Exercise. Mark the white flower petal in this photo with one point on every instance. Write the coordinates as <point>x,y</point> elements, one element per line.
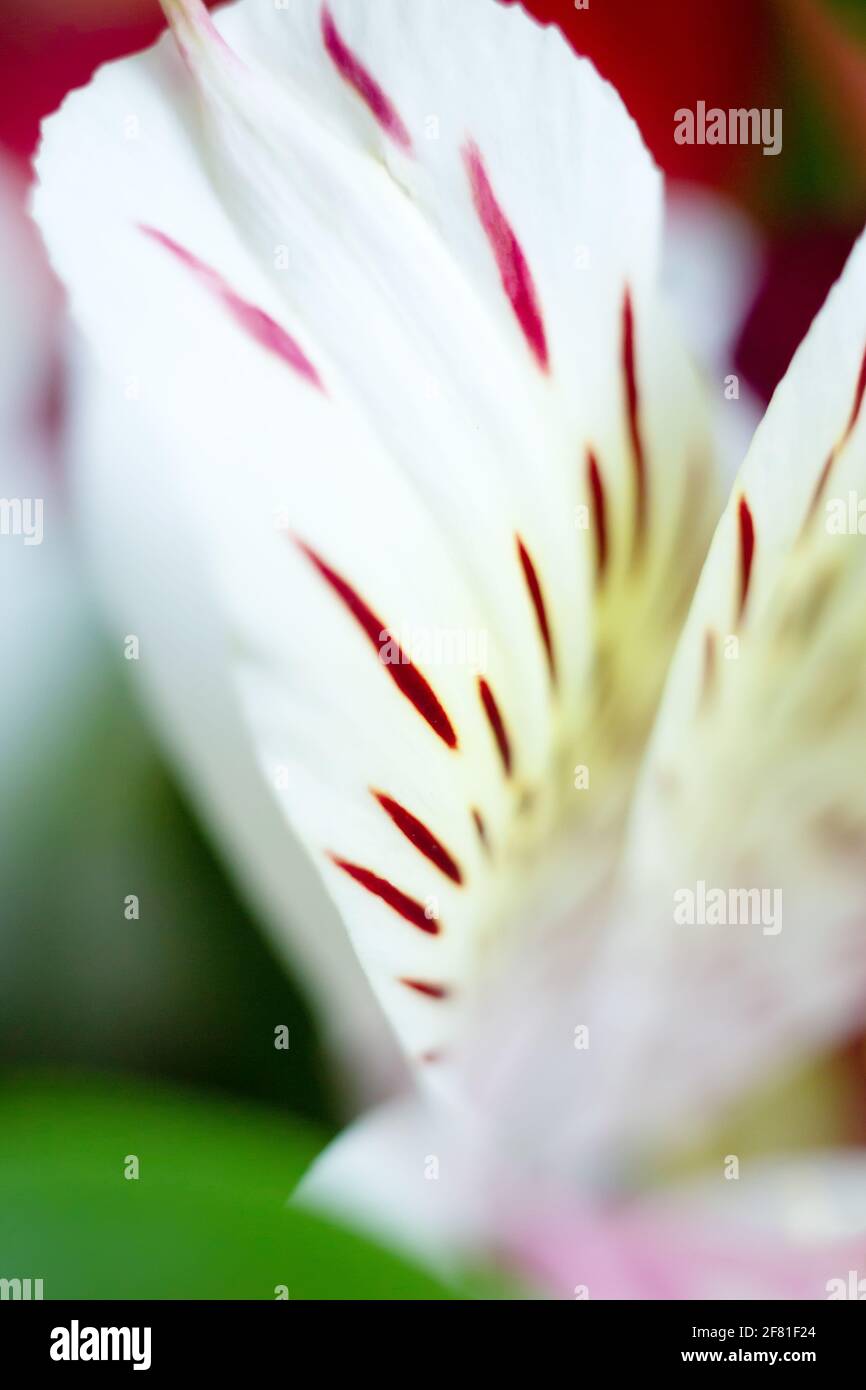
<point>712,268</point>
<point>414,1174</point>
<point>536,186</point>
<point>738,946</point>
<point>448,1191</point>
<point>422,397</point>
<point>44,630</point>
<point>754,777</point>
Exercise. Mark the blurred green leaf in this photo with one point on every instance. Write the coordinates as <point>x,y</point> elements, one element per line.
<point>823,53</point>
<point>206,1218</point>
<point>191,992</point>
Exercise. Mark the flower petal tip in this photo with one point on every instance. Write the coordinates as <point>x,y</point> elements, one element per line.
<point>195,33</point>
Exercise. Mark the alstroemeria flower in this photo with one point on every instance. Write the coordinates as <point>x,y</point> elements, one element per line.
<point>403,483</point>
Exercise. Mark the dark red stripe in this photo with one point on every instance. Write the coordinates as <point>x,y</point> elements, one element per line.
<point>632,396</point>
<point>497,723</point>
<point>424,987</point>
<point>534,586</point>
<point>407,907</point>
<point>513,268</point>
<point>403,673</point>
<point>254,321</point>
<point>352,70</point>
<point>422,838</point>
<point>859,394</point>
<point>747,551</point>
<point>599,513</point>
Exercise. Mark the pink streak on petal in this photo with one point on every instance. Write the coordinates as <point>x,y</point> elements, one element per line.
<point>254,321</point>
<point>513,267</point>
<point>352,70</point>
<point>634,1252</point>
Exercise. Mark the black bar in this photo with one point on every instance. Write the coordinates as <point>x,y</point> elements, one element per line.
<point>247,1337</point>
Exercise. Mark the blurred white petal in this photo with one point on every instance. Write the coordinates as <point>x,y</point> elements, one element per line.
<point>43,625</point>
<point>713,259</point>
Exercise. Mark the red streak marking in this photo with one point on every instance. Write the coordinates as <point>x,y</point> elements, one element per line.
<point>629,367</point>
<point>405,676</point>
<point>858,398</point>
<point>747,550</point>
<point>859,394</point>
<point>431,991</point>
<point>259,325</point>
<point>497,724</point>
<point>514,271</point>
<point>481,828</point>
<point>534,586</point>
<point>407,907</point>
<point>422,838</point>
<point>599,513</point>
<point>353,71</point>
